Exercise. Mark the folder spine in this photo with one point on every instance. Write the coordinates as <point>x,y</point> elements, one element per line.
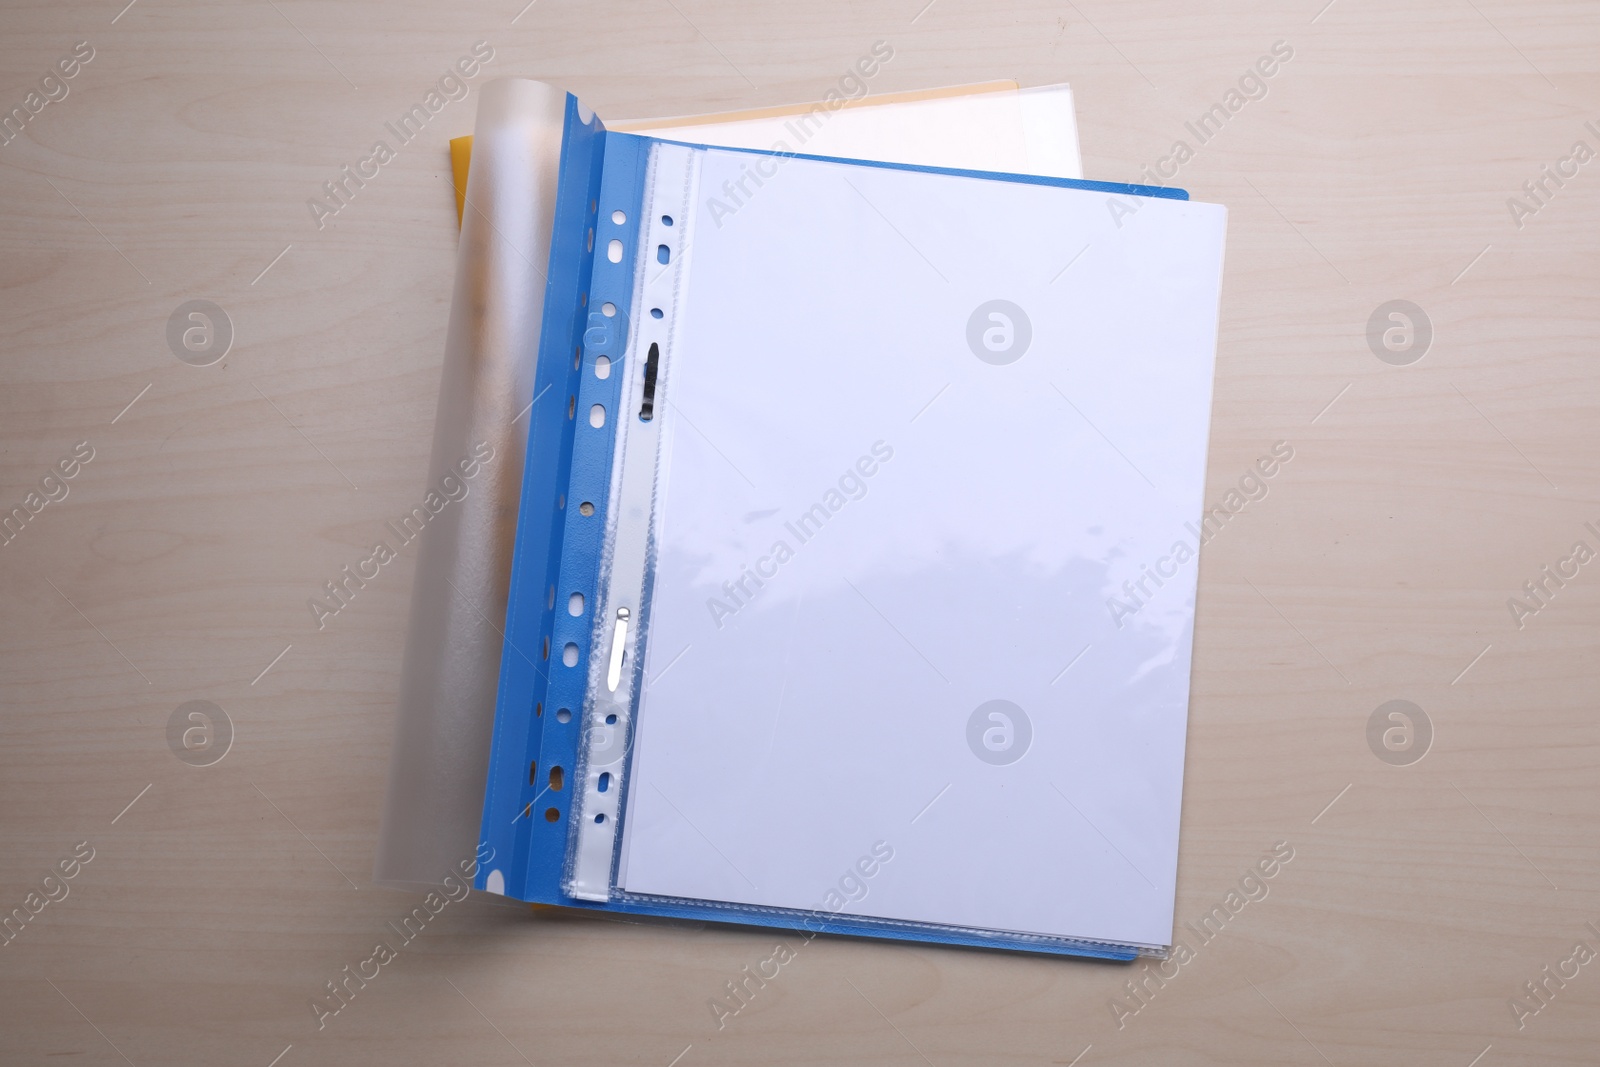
<point>548,648</point>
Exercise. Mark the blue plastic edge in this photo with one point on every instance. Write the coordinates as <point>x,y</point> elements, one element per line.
<point>557,549</point>
<point>523,735</point>
<point>1165,192</point>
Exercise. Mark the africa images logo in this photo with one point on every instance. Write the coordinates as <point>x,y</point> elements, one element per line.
<point>999,332</point>
<point>999,732</point>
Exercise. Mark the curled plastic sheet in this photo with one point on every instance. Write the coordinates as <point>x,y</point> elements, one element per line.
<point>452,657</point>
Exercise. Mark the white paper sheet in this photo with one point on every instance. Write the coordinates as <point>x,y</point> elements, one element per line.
<point>932,526</point>
<point>1027,131</point>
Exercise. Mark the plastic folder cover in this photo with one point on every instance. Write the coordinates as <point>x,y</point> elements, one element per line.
<point>854,586</point>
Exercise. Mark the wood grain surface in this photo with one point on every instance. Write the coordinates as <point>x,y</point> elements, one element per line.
<point>1378,162</point>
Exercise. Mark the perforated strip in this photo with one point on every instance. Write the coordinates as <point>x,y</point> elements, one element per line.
<point>622,617</point>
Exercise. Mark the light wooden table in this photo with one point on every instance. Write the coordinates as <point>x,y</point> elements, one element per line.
<point>1420,497</point>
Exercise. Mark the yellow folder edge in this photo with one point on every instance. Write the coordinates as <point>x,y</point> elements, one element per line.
<point>461,147</point>
<point>801,109</point>
<point>460,160</point>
